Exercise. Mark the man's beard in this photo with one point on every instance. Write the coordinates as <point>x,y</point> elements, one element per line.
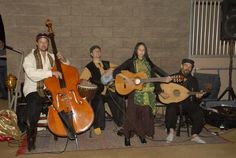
<point>43,49</point>
<point>186,72</point>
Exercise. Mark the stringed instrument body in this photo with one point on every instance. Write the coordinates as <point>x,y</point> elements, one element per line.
<point>126,81</point>
<point>125,84</point>
<point>176,92</point>
<point>66,98</point>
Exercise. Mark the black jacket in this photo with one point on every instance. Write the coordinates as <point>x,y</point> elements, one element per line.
<point>191,84</point>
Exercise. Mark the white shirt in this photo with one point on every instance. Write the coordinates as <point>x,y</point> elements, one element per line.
<point>32,74</point>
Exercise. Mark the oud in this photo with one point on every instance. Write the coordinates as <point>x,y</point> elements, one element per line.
<point>176,92</point>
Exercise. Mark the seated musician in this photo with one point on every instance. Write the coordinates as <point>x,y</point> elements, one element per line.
<point>37,66</point>
<point>190,105</point>
<point>93,73</point>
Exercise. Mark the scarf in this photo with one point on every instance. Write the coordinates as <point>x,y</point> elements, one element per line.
<point>39,65</point>
<point>146,96</point>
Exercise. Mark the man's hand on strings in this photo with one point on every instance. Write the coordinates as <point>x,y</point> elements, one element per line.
<point>168,79</point>
<point>57,74</point>
<point>200,94</point>
<point>61,57</point>
<point>108,72</point>
<point>164,95</point>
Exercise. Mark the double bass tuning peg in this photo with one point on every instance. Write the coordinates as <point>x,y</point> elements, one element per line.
<point>49,26</point>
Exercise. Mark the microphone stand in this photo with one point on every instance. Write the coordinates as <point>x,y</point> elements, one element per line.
<point>229,89</point>
<point>14,50</point>
<point>12,101</point>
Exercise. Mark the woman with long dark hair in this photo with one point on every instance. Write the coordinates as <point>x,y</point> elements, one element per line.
<point>139,117</point>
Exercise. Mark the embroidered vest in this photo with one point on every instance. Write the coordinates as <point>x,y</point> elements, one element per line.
<point>96,75</point>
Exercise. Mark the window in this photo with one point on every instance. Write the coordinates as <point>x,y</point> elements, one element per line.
<point>205,25</point>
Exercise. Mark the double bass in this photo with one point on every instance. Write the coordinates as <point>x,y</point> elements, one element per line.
<point>69,113</point>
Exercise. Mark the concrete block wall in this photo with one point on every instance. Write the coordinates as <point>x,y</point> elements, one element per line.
<point>115,25</point>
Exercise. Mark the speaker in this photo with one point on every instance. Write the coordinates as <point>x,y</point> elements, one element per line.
<point>2,37</point>
<point>228,20</point>
<point>2,32</point>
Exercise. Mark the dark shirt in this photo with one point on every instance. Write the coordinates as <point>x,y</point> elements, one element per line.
<point>96,74</point>
<point>191,84</point>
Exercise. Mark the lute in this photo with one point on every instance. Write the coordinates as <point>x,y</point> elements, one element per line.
<point>176,92</point>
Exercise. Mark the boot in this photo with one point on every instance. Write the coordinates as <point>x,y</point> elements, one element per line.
<point>127,141</point>
<point>31,144</point>
<point>31,139</point>
<point>120,132</point>
<point>142,140</point>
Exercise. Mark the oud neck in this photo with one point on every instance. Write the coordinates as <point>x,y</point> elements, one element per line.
<point>192,93</point>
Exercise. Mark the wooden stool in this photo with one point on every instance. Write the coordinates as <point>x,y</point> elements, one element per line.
<point>186,119</point>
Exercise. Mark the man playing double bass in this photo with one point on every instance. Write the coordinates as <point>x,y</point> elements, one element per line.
<point>37,66</point>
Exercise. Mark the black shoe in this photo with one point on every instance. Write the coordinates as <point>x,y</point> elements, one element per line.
<point>31,144</point>
<point>108,117</point>
<point>142,140</point>
<point>127,141</point>
<point>120,132</point>
<point>31,136</point>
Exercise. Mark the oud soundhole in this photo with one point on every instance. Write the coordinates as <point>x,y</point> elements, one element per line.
<point>176,92</point>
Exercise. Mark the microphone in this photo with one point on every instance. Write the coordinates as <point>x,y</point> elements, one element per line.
<point>3,47</point>
<point>8,47</point>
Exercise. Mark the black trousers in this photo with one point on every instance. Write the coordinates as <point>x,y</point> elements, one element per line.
<point>192,110</point>
<point>116,104</point>
<point>35,105</point>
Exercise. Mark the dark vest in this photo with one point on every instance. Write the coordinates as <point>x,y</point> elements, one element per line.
<point>96,75</point>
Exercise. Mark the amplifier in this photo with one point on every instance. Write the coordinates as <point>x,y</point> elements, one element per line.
<point>220,113</point>
<point>221,103</point>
